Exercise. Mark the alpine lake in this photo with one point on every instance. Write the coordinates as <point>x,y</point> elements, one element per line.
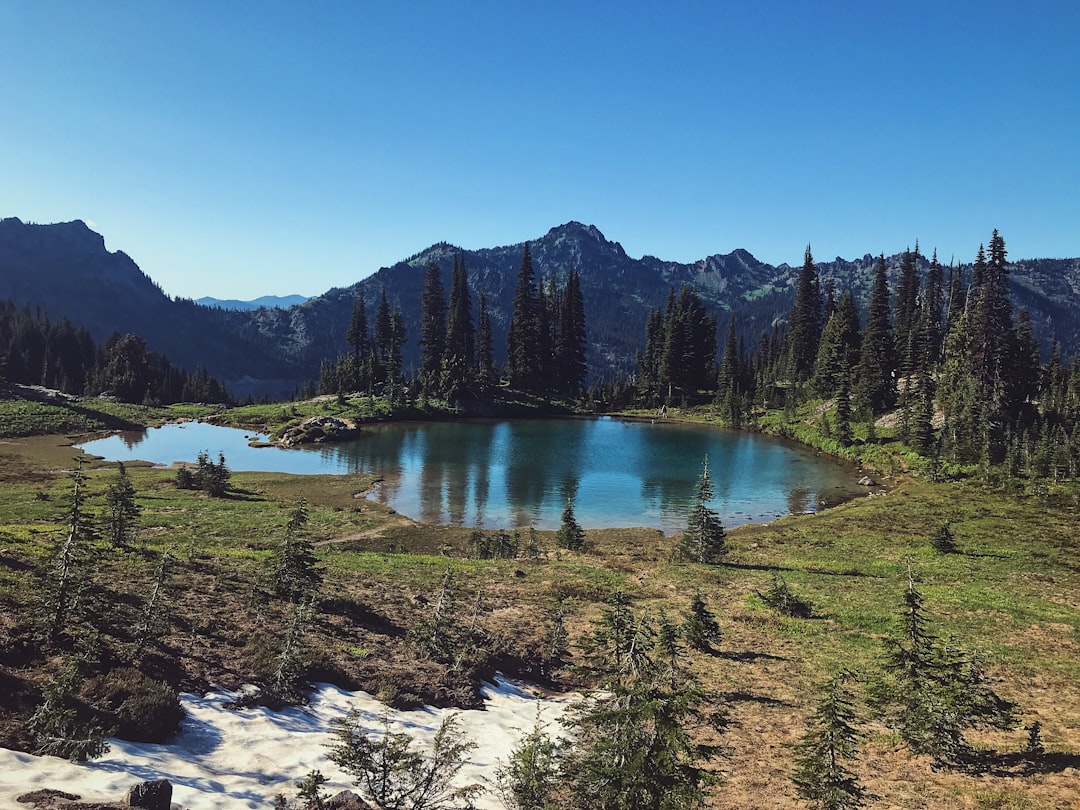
<point>520,473</point>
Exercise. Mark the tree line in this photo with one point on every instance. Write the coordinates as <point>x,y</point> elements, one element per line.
<point>944,348</point>
<point>545,344</point>
<point>35,350</point>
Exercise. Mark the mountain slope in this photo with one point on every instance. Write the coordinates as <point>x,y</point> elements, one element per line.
<point>66,270</point>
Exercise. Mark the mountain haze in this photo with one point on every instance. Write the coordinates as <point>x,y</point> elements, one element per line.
<point>267,301</point>
<point>66,271</point>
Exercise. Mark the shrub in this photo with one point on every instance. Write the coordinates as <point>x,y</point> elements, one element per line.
<point>142,709</point>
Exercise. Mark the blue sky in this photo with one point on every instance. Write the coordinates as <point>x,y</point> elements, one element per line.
<point>236,149</point>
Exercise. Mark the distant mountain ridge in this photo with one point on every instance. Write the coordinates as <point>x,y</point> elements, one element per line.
<point>262,302</point>
<point>66,270</point>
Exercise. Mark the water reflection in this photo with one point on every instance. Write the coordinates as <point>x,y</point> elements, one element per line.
<point>519,473</point>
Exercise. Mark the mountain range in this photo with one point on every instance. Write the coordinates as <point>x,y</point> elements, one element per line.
<point>263,301</point>
<point>65,270</point>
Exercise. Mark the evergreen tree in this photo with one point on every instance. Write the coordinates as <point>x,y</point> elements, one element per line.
<point>630,747</point>
<point>570,535</point>
<point>571,340</point>
<point>730,378</point>
<point>523,335</point>
<point>805,320</point>
<point>295,575</point>
<point>121,510</point>
<point>944,541</point>
<point>432,331</point>
<point>357,336</point>
<point>485,355</point>
<point>821,776</point>
<point>460,333</point>
<point>689,346</point>
<point>531,777</point>
<point>389,772</point>
<point>843,413</point>
<point>875,387</point>
<point>933,692</point>
<point>838,349</point>
<point>67,579</point>
<point>381,338</point>
<point>906,309</point>
<point>700,628</point>
<point>704,540</point>
<point>286,682</point>
<point>153,609</point>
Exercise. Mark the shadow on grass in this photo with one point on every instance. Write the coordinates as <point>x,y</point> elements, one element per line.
<point>747,656</point>
<point>1021,763</point>
<point>748,697</point>
<point>753,567</point>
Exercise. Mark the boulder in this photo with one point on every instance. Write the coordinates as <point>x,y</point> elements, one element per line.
<point>867,481</point>
<point>155,795</point>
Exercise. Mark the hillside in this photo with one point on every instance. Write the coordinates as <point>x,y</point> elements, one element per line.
<point>66,270</point>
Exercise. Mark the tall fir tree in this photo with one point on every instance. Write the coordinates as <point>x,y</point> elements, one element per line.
<point>875,387</point>
<point>357,335</point>
<point>460,334</point>
<point>523,335</point>
<point>572,338</point>
<point>485,349</point>
<point>838,349</point>
<point>805,320</point>
<point>432,330</point>
<point>905,319</point>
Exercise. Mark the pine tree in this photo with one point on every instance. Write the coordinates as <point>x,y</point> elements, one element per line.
<point>933,692</point>
<point>460,333</point>
<point>485,355</point>
<point>906,309</point>
<point>121,510</point>
<point>630,746</point>
<point>390,773</point>
<point>286,682</point>
<point>805,320</point>
<point>700,628</point>
<point>529,779</point>
<point>381,338</point>
<point>838,349</point>
<point>821,776</point>
<point>295,575</point>
<point>357,336</point>
<point>432,331</point>
<point>523,335</point>
<point>570,535</point>
<point>875,387</point>
<point>151,617</point>
<point>729,379</point>
<point>67,579</point>
<point>704,540</point>
<point>571,340</point>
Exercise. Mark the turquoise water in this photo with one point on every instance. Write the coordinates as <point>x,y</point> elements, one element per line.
<point>517,473</point>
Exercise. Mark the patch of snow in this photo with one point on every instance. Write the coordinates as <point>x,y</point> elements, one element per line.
<point>223,758</point>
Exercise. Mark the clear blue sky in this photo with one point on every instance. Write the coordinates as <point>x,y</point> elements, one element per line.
<point>236,149</point>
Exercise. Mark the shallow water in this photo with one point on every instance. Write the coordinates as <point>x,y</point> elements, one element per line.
<point>517,473</point>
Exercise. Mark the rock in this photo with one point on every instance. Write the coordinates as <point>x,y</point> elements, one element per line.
<point>155,795</point>
<point>867,481</point>
<point>47,798</point>
<point>346,800</point>
<point>320,429</point>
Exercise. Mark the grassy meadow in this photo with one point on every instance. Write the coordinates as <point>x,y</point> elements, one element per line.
<point>1011,593</point>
